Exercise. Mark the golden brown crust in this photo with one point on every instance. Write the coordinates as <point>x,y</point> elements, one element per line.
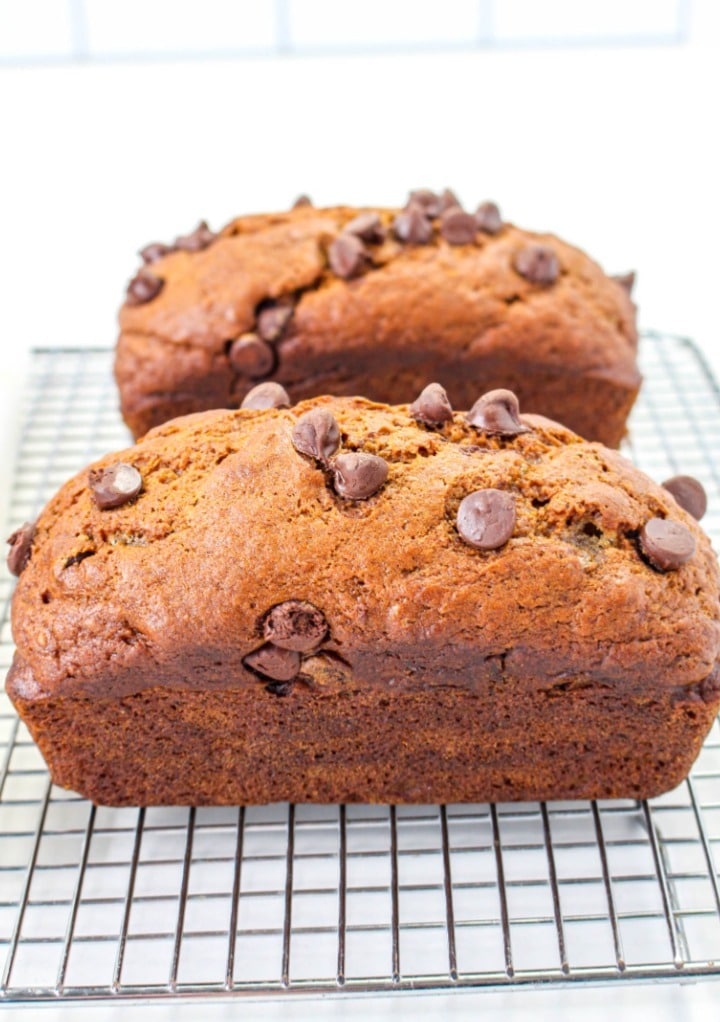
<point>461,314</point>
<point>163,599</point>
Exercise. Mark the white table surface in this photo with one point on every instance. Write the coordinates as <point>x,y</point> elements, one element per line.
<point>613,149</point>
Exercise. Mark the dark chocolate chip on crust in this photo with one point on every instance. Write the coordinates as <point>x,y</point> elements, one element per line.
<point>497,413</point>
<point>274,663</point>
<point>347,256</point>
<point>266,395</point>
<point>359,475</point>
<point>20,547</point>
<point>667,545</point>
<point>197,240</point>
<point>537,263</point>
<point>114,486</point>
<point>367,226</point>
<point>458,227</point>
<point>251,356</point>
<point>449,200</point>
<point>488,218</point>
<point>430,202</point>
<point>301,202</point>
<point>689,493</point>
<point>412,225</point>
<point>486,519</point>
<point>272,321</point>
<point>295,624</point>
<point>154,251</point>
<point>626,280</point>
<point>432,406</point>
<point>317,434</point>
<point>143,288</point>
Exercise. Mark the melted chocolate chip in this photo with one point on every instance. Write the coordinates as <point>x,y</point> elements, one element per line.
<point>347,256</point>
<point>154,251</point>
<point>666,544</point>
<point>537,263</point>
<point>626,280</point>
<point>197,240</point>
<point>367,226</point>
<point>251,356</point>
<point>458,227</point>
<point>143,288</point>
<point>486,519</point>
<point>432,406</point>
<point>295,624</point>
<point>266,395</point>
<point>498,414</point>
<point>317,434</point>
<point>430,202</point>
<point>272,321</point>
<point>689,493</point>
<point>412,226</point>
<point>20,547</point>
<point>301,202</point>
<point>114,486</point>
<point>270,661</point>
<point>358,475</point>
<point>488,218</point>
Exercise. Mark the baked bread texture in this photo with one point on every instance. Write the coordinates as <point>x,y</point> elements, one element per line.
<point>345,601</point>
<point>377,302</point>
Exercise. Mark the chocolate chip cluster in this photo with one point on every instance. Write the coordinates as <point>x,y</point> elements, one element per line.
<point>354,474</point>
<point>253,354</point>
<point>146,285</point>
<point>292,630</point>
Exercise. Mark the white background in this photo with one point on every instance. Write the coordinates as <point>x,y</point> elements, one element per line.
<point>113,133</point>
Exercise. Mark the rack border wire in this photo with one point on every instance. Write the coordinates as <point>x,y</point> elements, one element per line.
<point>287,900</point>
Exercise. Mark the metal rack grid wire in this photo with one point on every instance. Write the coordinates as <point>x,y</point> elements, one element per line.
<point>282,899</point>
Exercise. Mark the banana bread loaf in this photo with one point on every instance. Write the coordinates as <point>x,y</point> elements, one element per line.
<point>346,601</point>
<point>376,302</point>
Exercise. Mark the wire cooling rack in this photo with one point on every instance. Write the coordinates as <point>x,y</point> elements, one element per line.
<point>279,899</point>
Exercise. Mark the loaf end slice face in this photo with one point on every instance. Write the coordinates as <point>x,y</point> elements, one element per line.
<point>344,601</point>
<point>378,302</point>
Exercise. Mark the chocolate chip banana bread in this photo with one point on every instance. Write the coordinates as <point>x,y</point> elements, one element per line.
<point>376,302</point>
<point>345,601</point>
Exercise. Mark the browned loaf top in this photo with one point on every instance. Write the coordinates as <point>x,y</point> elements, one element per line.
<point>376,302</point>
<point>484,616</point>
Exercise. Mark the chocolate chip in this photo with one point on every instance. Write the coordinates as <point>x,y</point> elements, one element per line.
<point>358,475</point>
<point>347,256</point>
<point>295,624</point>
<point>273,320</point>
<point>666,544</point>
<point>266,395</point>
<point>20,543</point>
<point>114,486</point>
<point>272,662</point>
<point>154,251</point>
<point>197,240</point>
<point>626,280</point>
<point>412,226</point>
<point>458,227</point>
<point>251,356</point>
<point>498,414</point>
<point>430,202</point>
<point>367,226</point>
<point>537,263</point>
<point>486,518</point>
<point>487,218</point>
<point>143,288</point>
<point>432,406</point>
<point>689,493</point>
<point>448,200</point>
<point>317,434</point>
<point>301,202</point>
